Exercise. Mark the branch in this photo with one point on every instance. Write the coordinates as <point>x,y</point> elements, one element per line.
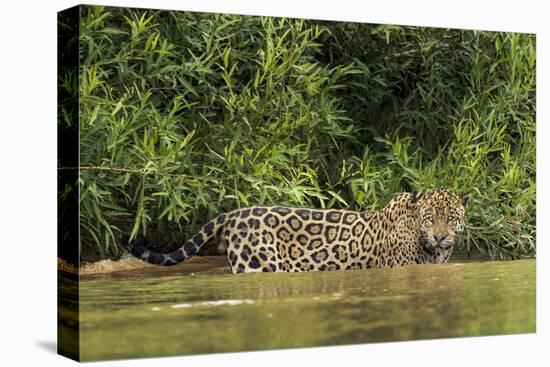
<point>99,168</point>
<point>141,172</point>
<point>488,227</point>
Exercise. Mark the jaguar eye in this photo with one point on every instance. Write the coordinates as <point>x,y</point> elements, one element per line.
<point>452,220</point>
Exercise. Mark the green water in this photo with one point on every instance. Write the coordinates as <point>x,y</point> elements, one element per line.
<point>157,313</point>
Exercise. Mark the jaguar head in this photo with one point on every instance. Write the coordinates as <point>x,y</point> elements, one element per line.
<point>440,214</point>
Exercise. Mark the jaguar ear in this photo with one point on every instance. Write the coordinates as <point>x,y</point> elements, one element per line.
<point>415,196</point>
<point>466,198</point>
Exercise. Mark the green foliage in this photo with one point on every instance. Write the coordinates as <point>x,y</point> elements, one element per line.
<point>187,115</point>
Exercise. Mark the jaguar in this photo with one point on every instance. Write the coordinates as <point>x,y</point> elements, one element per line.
<point>413,228</point>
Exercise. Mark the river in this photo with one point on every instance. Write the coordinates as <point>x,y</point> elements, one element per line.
<point>201,308</point>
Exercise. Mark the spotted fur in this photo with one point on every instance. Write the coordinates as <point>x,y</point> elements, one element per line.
<point>413,228</point>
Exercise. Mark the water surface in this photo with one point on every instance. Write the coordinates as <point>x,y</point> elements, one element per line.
<point>158,312</point>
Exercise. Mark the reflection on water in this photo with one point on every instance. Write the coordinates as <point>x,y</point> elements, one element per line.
<point>149,313</point>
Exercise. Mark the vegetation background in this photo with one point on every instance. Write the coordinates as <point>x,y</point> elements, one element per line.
<point>186,115</point>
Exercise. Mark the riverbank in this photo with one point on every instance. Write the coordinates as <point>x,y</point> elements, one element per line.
<point>129,264</point>
<point>208,264</point>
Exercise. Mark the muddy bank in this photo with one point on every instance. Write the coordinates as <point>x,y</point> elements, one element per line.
<point>128,263</point>
<point>197,264</point>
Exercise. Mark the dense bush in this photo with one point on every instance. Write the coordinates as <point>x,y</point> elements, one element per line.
<point>186,115</point>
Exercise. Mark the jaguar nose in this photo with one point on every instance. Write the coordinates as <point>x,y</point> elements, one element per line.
<point>439,237</point>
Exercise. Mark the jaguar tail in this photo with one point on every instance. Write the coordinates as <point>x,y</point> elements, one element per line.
<point>210,231</point>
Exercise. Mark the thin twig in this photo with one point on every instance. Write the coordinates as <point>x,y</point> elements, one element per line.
<point>141,172</point>
<point>100,168</point>
<point>489,226</point>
